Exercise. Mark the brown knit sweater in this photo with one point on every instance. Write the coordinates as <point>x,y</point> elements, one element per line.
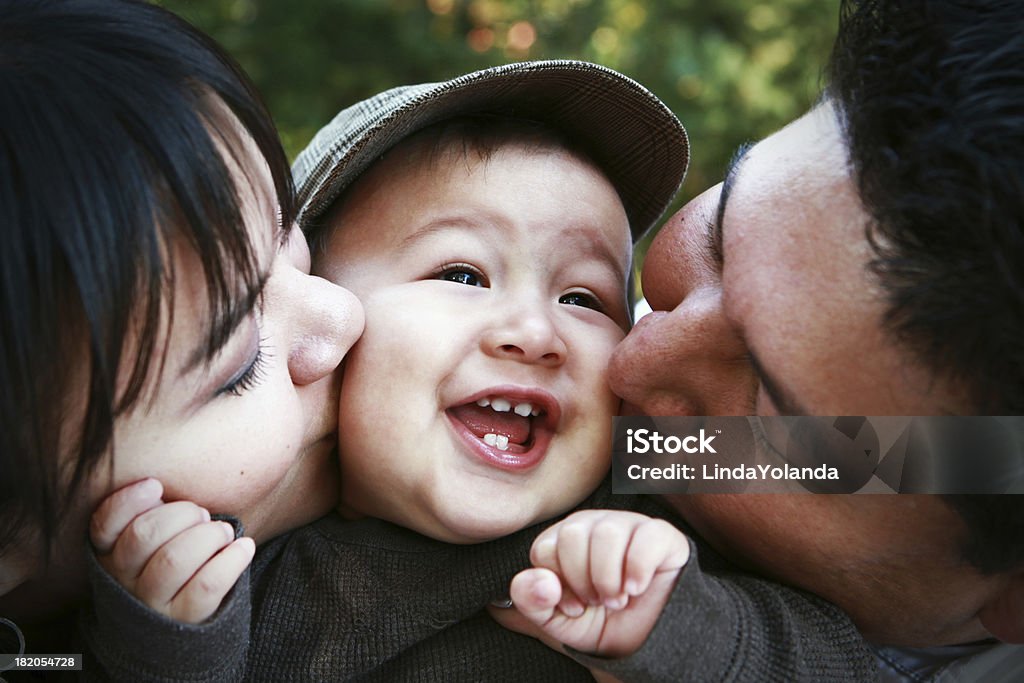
<point>367,600</point>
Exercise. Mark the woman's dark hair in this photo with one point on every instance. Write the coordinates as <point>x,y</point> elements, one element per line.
<point>113,122</point>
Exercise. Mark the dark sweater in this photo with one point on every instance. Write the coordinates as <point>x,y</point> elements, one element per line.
<point>368,600</point>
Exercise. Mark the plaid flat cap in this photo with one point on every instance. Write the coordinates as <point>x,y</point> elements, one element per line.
<point>628,132</point>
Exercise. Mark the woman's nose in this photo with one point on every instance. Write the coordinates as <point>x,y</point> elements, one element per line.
<point>525,333</point>
<point>327,321</point>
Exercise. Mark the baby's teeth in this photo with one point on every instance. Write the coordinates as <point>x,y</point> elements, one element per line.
<point>535,412</point>
<point>483,403</point>
<point>499,441</point>
<point>524,409</point>
<point>501,405</point>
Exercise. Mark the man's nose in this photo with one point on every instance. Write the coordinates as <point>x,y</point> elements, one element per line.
<point>681,258</point>
<point>686,361</point>
<point>685,358</point>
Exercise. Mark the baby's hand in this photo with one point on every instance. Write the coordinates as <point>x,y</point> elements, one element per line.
<point>168,555</point>
<point>600,579</point>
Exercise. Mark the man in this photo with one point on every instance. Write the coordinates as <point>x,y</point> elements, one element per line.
<point>868,259</point>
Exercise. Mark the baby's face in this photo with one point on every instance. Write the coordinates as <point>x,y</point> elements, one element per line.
<point>477,403</point>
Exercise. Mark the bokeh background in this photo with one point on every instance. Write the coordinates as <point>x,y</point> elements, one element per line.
<point>732,70</point>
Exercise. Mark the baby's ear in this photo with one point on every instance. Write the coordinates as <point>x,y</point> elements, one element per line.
<point>1003,615</point>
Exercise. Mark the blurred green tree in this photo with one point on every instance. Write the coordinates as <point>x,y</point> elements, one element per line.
<point>733,70</point>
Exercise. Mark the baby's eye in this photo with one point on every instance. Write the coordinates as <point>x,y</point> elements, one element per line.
<point>463,277</point>
<point>463,274</point>
<point>581,299</point>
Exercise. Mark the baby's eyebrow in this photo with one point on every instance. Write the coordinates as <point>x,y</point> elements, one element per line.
<point>432,228</point>
<point>589,242</point>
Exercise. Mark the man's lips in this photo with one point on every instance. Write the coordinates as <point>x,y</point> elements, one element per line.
<point>508,427</point>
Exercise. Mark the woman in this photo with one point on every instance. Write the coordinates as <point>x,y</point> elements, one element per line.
<point>157,315</point>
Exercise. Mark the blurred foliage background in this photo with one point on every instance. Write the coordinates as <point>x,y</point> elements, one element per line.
<point>732,70</point>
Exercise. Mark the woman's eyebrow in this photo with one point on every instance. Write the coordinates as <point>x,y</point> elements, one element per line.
<point>715,227</point>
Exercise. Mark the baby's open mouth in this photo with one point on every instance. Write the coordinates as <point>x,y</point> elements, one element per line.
<point>507,427</point>
<point>502,423</point>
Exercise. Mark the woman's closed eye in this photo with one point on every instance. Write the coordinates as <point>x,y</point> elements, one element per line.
<point>250,375</point>
<point>461,273</point>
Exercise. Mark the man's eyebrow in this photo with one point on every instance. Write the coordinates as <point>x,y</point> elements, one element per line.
<point>224,326</point>
<point>715,228</point>
<point>781,398</point>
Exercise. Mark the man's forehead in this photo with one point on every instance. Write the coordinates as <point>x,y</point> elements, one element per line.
<point>795,280</point>
<point>795,186</point>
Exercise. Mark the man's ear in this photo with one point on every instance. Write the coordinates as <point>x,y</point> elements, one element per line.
<point>1003,614</point>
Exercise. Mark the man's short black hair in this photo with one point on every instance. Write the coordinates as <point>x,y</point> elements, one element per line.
<point>930,95</point>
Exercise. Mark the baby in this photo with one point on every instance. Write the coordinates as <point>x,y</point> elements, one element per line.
<point>492,263</point>
<point>486,225</point>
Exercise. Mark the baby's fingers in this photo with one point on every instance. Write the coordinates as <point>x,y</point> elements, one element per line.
<point>203,594</point>
<point>656,546</point>
<point>536,593</point>
<point>147,534</point>
<point>178,561</point>
<point>608,543</point>
<point>574,560</point>
<point>118,510</point>
<point>544,554</point>
<point>538,596</point>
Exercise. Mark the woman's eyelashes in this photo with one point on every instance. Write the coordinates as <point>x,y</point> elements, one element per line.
<point>250,375</point>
